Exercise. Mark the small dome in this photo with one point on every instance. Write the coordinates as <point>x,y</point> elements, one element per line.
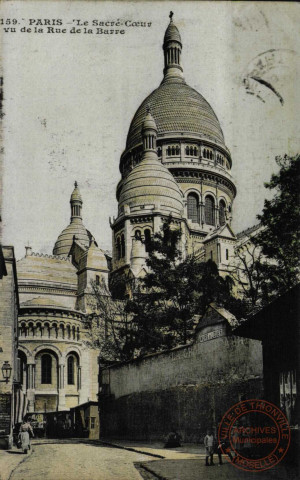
<point>149,122</point>
<point>172,34</point>
<point>65,239</point>
<point>151,183</point>
<point>76,196</point>
<point>76,228</point>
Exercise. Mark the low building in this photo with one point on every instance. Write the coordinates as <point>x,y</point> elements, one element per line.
<point>189,387</point>
<point>85,420</point>
<point>11,398</point>
<point>277,326</point>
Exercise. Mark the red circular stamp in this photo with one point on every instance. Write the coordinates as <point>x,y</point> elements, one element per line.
<point>254,434</point>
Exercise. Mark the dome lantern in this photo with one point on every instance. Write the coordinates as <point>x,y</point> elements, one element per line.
<point>76,203</point>
<point>172,51</point>
<point>149,132</point>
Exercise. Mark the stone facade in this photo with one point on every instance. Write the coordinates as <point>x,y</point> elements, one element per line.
<point>189,387</point>
<point>8,343</point>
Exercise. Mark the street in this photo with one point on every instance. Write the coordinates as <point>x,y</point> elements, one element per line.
<point>78,461</point>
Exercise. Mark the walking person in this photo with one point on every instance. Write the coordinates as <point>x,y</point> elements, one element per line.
<point>209,448</point>
<point>24,435</point>
<point>224,447</point>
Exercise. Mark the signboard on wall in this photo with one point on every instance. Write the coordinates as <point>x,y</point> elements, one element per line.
<point>5,414</point>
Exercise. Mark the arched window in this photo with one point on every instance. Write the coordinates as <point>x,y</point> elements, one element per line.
<point>173,150</point>
<point>46,368</point>
<point>204,153</point>
<point>71,370</point>
<point>55,331</point>
<point>211,155</point>
<point>222,207</point>
<point>118,248</point>
<point>62,330</point>
<point>159,152</point>
<point>122,246</point>
<point>193,207</point>
<point>195,151</point>
<point>187,150</point>
<point>169,151</point>
<point>209,210</point>
<point>147,234</point>
<point>137,234</point>
<point>177,150</point>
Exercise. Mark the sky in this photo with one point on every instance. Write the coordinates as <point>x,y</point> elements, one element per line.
<point>69,99</point>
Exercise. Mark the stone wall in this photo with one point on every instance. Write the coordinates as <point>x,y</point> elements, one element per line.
<point>190,387</point>
<point>191,409</point>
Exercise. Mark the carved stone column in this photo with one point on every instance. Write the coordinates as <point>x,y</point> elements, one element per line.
<point>31,385</point>
<point>61,386</point>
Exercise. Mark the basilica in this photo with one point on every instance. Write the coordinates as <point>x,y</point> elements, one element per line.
<point>175,163</point>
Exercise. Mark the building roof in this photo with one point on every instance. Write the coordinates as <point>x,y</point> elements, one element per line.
<point>75,229</point>
<point>151,183</point>
<point>38,269</point>
<point>177,109</point>
<point>276,322</point>
<point>76,195</point>
<point>64,241</point>
<point>172,34</point>
<point>249,231</point>
<point>224,231</point>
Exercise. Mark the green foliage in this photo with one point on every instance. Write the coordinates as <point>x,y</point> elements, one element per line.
<point>267,263</point>
<point>173,292</point>
<point>279,239</point>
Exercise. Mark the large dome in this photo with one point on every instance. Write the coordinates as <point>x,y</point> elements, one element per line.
<point>151,183</point>
<point>177,108</point>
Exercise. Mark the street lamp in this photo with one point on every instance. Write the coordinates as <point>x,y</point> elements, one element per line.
<point>6,371</point>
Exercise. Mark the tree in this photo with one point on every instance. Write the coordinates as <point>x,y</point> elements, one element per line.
<point>109,327</point>
<point>248,274</point>
<point>267,262</point>
<point>279,237</point>
<point>173,291</point>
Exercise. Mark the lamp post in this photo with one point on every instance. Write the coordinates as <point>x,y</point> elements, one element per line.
<point>6,371</point>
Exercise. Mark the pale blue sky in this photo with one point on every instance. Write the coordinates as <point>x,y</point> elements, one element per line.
<point>69,101</point>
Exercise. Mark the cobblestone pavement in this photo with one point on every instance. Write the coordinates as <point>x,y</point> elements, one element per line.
<point>78,461</point>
